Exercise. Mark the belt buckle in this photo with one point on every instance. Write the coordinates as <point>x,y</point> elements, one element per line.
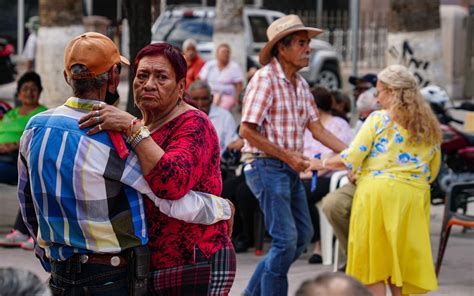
<point>115,261</point>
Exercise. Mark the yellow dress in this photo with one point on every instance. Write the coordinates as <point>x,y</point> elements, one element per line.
<point>390,218</point>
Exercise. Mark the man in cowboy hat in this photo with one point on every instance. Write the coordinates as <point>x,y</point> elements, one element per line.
<point>277,108</point>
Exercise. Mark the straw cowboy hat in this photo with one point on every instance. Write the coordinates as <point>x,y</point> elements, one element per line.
<point>279,29</point>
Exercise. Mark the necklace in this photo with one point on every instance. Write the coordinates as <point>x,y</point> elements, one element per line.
<point>160,121</point>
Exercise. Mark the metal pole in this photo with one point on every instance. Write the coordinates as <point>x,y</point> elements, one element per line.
<point>355,47</point>
<point>119,10</point>
<point>21,26</point>
<point>319,13</point>
<point>355,34</point>
<point>89,7</point>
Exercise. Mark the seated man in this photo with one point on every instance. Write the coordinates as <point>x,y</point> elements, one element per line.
<point>221,118</point>
<point>337,204</point>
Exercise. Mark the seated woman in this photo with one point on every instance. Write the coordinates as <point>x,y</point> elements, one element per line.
<point>11,128</point>
<point>342,130</point>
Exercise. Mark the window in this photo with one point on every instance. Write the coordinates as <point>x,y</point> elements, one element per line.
<point>176,30</point>
<point>259,25</point>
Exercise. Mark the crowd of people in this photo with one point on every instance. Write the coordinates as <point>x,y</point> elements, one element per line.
<point>160,213</point>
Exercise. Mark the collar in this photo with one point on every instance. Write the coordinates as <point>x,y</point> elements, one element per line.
<point>278,69</point>
<point>82,104</point>
<point>115,137</point>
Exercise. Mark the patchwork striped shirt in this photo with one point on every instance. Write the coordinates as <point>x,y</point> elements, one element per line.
<point>78,196</point>
<point>281,111</point>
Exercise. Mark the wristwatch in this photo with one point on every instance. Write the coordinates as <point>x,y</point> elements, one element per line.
<point>143,134</point>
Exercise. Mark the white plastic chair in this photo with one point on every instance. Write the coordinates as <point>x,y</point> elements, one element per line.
<point>338,179</point>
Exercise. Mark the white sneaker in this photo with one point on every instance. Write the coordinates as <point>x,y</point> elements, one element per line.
<point>13,239</point>
<point>29,245</point>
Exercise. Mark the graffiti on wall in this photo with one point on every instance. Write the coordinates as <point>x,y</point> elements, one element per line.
<point>408,58</point>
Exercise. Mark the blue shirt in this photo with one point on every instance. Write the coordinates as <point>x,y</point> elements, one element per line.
<point>78,196</point>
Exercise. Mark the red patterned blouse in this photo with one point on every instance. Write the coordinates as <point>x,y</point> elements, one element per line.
<point>191,162</point>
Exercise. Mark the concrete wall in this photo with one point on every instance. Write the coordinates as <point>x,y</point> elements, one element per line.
<point>50,62</point>
<point>454,33</point>
<point>421,52</point>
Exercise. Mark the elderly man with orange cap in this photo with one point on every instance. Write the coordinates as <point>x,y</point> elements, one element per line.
<point>81,199</point>
<point>277,108</point>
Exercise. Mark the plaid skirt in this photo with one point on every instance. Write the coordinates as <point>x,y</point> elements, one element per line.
<point>209,276</point>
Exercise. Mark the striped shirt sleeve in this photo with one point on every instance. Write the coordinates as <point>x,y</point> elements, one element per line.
<point>27,208</point>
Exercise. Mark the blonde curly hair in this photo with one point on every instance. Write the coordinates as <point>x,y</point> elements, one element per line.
<point>408,107</point>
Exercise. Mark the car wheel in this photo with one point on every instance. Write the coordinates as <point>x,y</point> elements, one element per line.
<point>329,77</point>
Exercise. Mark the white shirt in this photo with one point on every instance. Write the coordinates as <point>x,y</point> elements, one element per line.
<point>224,124</point>
<point>29,52</point>
<point>222,81</point>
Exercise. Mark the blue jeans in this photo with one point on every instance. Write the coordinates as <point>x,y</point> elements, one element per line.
<point>282,199</point>
<point>76,279</point>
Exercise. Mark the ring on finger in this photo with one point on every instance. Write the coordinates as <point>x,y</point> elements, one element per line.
<point>97,119</point>
<point>97,113</point>
<point>100,128</point>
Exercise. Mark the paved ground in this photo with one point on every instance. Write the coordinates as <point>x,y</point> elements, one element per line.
<point>456,278</point>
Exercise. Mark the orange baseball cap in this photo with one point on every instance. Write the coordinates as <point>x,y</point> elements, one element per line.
<point>93,50</point>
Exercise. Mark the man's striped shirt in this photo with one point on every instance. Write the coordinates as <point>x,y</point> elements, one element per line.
<point>78,196</point>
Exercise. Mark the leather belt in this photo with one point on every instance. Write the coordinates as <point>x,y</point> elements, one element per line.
<point>114,260</point>
<point>103,259</point>
<point>250,157</point>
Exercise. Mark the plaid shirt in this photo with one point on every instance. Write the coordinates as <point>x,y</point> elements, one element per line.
<point>77,195</point>
<point>281,112</point>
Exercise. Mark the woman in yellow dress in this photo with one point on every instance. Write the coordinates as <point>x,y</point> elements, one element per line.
<point>395,155</point>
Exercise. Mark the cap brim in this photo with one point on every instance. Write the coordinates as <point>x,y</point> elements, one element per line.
<point>353,80</point>
<point>124,61</point>
<point>265,53</point>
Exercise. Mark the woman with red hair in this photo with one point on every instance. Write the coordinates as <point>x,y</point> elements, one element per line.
<point>178,151</point>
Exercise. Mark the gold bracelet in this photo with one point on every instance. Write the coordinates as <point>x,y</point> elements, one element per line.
<point>134,135</point>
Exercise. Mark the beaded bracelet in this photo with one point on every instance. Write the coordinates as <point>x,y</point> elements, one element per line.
<point>130,126</point>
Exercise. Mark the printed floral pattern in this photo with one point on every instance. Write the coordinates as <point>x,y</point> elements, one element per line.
<point>381,150</point>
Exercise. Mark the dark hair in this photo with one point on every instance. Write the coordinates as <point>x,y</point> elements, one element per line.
<point>81,87</point>
<point>339,97</point>
<point>170,52</point>
<point>322,97</point>
<point>286,41</point>
<point>321,286</point>
<point>27,77</point>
